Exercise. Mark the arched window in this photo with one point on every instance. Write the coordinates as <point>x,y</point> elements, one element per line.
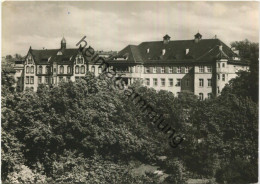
<point>77,69</point>
<point>82,69</point>
<point>27,69</point>
<point>81,60</point>
<point>40,70</point>
<point>93,69</point>
<point>61,69</point>
<point>69,69</point>
<point>32,69</point>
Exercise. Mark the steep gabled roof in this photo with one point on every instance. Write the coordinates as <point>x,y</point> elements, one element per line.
<point>50,55</point>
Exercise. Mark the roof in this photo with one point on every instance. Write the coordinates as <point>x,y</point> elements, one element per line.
<point>50,55</point>
<point>177,51</point>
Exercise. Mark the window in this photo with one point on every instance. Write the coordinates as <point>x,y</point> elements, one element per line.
<point>54,70</point>
<point>32,69</point>
<point>80,60</point>
<point>218,90</point>
<point>186,69</point>
<point>47,70</point>
<point>201,82</point>
<point>61,69</point>
<point>32,80</point>
<point>40,70</point>
<point>27,80</point>
<point>178,69</point>
<point>223,77</point>
<point>99,69</point>
<point>223,65</point>
<point>178,82</point>
<point>77,79</point>
<point>162,69</point>
<point>170,69</point>
<point>82,69</point>
<point>147,82</point>
<point>201,69</point>
<point>155,83</point>
<point>77,69</point>
<point>209,95</point>
<point>60,79</point>
<point>39,80</point>
<point>51,80</point>
<point>162,82</point>
<point>154,70</point>
<point>30,60</point>
<point>209,83</point>
<point>93,69</point>
<point>27,69</point>
<point>218,76</point>
<point>147,70</point>
<point>170,82</point>
<point>46,80</point>
<point>187,82</point>
<point>68,69</point>
<point>201,96</point>
<point>209,68</point>
<point>218,65</point>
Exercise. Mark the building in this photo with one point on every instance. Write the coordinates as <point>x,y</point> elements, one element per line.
<point>51,66</point>
<point>19,75</point>
<point>200,66</point>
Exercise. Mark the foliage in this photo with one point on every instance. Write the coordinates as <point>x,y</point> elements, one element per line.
<point>83,131</point>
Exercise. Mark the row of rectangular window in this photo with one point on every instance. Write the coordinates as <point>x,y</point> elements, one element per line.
<point>29,80</point>
<point>170,69</point>
<point>201,96</point>
<point>201,82</point>
<point>170,82</point>
<point>61,71</point>
<point>178,82</point>
<point>223,65</point>
<point>223,77</point>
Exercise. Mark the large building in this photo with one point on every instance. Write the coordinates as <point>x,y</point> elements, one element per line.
<point>201,66</point>
<point>51,66</point>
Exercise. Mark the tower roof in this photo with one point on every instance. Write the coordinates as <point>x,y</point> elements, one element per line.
<point>63,40</point>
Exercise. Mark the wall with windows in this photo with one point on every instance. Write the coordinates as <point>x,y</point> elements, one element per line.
<point>30,80</point>
<point>203,81</point>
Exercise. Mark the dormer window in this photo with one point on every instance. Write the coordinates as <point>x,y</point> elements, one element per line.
<point>187,51</point>
<point>147,50</point>
<point>59,53</point>
<point>163,51</point>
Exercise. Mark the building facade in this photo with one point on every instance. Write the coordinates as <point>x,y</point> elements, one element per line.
<point>200,66</point>
<point>51,66</point>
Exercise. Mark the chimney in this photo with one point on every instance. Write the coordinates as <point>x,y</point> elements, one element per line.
<point>147,50</point>
<point>166,39</point>
<point>197,37</point>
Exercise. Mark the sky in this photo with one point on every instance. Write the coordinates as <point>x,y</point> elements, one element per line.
<point>114,25</point>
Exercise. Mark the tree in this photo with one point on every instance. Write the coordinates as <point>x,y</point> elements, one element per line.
<point>245,47</point>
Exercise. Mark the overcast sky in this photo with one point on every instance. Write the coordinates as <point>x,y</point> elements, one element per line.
<point>114,25</point>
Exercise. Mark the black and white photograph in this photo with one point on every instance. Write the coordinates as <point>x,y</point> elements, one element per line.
<point>130,92</point>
